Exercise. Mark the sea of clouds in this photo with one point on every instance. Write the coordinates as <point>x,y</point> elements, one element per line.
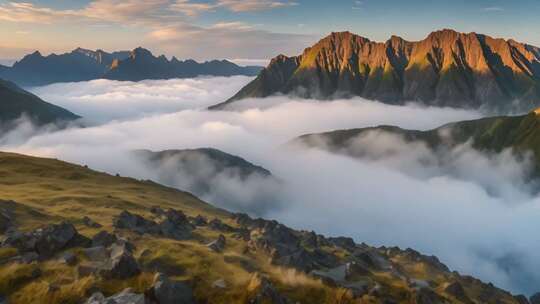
<point>477,214</point>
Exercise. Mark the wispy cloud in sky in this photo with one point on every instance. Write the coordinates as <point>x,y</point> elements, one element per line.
<point>493,9</point>
<point>171,25</point>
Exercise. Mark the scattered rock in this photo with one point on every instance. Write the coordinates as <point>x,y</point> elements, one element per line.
<point>86,270</point>
<point>157,210</point>
<point>343,242</point>
<point>260,290</point>
<point>122,264</point>
<point>7,217</point>
<point>218,225</point>
<point>135,223</point>
<point>199,220</point>
<point>90,223</point>
<point>427,296</point>
<point>221,284</point>
<point>354,270</point>
<point>125,297</point>
<point>176,225</point>
<point>46,241</point>
<point>103,238</point>
<point>456,290</point>
<point>68,258</point>
<point>218,245</point>
<point>29,257</point>
<point>96,254</point>
<point>371,259</point>
<point>166,291</point>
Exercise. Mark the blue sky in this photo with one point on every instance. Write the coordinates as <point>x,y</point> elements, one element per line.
<point>250,29</point>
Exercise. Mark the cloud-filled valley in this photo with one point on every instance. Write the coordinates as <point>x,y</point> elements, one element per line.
<point>477,208</point>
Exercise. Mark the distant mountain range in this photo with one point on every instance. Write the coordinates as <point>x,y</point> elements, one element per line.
<point>139,64</point>
<point>14,102</point>
<point>492,134</point>
<point>445,69</point>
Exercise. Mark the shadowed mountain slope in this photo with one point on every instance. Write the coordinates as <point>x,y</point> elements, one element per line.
<point>14,102</point>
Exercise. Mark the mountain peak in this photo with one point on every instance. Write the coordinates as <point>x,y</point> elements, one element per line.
<point>447,68</point>
<point>141,52</point>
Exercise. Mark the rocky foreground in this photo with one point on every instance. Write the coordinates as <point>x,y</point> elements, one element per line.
<point>143,243</point>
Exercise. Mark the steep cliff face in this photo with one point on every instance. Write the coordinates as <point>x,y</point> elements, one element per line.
<point>445,69</point>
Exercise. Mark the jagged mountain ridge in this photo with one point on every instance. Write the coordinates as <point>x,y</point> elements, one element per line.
<point>14,102</point>
<point>79,65</point>
<point>83,65</point>
<point>142,64</point>
<point>448,68</point>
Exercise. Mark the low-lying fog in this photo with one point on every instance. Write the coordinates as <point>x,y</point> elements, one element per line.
<point>476,216</point>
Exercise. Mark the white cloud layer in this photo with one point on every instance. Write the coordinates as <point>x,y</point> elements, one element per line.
<point>387,198</point>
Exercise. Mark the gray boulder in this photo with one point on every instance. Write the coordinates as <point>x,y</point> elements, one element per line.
<point>199,220</point>
<point>175,225</point>
<point>68,258</point>
<point>90,223</point>
<point>135,223</point>
<point>166,291</point>
<point>46,241</point>
<point>219,244</point>
<point>103,238</point>
<point>125,297</point>
<point>96,254</point>
<point>6,220</point>
<point>122,264</point>
<point>218,225</point>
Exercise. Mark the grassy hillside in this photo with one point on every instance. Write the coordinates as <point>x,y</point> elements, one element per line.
<point>261,261</point>
<point>493,134</point>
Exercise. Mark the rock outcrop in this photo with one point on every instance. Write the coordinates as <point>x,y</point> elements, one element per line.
<point>46,241</point>
<point>173,224</point>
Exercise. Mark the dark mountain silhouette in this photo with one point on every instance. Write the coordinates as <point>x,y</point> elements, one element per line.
<point>79,65</point>
<point>83,65</point>
<point>445,69</point>
<point>141,65</point>
<point>15,102</point>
